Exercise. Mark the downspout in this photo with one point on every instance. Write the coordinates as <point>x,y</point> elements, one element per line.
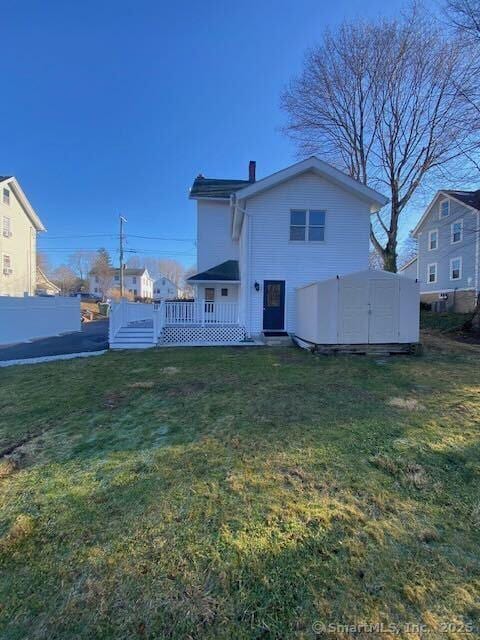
<point>248,311</point>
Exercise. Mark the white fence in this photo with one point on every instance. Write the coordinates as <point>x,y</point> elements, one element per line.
<point>37,317</point>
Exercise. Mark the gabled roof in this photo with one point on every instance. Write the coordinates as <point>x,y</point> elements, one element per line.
<point>408,263</point>
<point>315,165</point>
<point>225,272</point>
<point>470,199</point>
<point>215,188</point>
<point>22,198</point>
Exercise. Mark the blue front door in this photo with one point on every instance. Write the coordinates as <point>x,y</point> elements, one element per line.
<point>273,305</point>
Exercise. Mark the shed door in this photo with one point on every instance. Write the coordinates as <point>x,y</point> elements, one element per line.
<point>383,311</point>
<point>353,312</point>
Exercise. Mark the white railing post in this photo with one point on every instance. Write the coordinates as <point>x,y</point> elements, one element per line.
<point>203,312</point>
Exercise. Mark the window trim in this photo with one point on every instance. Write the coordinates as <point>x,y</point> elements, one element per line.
<point>10,267</point>
<point>452,241</point>
<point>432,264</point>
<point>7,191</point>
<point>460,269</point>
<point>307,225</point>
<point>440,204</point>
<point>430,233</point>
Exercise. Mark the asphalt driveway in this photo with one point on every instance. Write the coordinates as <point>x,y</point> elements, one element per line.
<point>92,337</point>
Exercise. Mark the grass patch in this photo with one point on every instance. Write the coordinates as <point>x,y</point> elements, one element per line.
<point>448,321</point>
<point>238,493</point>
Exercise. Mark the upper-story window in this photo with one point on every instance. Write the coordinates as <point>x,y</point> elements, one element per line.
<point>7,227</point>
<point>134,280</point>
<point>116,278</point>
<point>307,225</point>
<point>433,239</point>
<point>444,208</point>
<point>455,268</point>
<point>6,196</point>
<point>432,272</point>
<point>457,231</point>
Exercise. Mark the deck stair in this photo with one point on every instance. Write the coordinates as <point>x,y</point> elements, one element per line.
<point>136,335</point>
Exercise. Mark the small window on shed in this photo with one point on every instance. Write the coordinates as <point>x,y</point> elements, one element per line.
<point>224,293</point>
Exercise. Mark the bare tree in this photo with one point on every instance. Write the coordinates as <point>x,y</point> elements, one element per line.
<point>102,269</point>
<point>64,277</point>
<point>81,262</point>
<point>43,262</point>
<point>464,16</point>
<point>390,102</point>
<point>408,250</point>
<point>375,261</point>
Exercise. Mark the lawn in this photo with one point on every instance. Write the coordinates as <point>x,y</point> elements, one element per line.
<point>240,493</point>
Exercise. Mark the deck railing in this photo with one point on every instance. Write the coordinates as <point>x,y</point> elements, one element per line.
<point>200,313</point>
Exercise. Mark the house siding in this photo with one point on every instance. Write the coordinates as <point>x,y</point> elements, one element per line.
<point>275,257</point>
<point>21,247</point>
<point>214,234</point>
<point>410,271</point>
<point>465,249</point>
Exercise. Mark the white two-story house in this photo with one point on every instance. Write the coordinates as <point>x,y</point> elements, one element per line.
<point>259,240</point>
<point>137,283</point>
<point>448,261</point>
<point>164,289</point>
<point>19,225</point>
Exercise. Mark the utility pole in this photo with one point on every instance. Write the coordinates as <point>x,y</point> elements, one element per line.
<point>122,220</point>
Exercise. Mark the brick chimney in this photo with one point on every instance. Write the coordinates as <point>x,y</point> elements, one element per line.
<point>252,165</point>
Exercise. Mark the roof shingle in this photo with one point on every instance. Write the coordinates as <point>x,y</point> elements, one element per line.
<point>226,271</point>
<point>470,198</point>
<point>215,188</point>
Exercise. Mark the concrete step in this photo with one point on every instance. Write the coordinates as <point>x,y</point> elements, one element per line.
<point>277,341</point>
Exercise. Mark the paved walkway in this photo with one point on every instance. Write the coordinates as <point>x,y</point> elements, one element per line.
<point>92,337</point>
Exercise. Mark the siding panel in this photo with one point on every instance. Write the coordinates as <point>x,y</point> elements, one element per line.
<point>275,257</point>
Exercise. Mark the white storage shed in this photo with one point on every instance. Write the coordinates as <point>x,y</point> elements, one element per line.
<point>368,307</point>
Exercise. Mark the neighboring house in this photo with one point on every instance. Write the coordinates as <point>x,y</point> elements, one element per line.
<point>136,282</point>
<point>18,240</point>
<point>258,241</point>
<point>409,269</point>
<point>45,286</point>
<point>164,289</point>
<point>449,251</point>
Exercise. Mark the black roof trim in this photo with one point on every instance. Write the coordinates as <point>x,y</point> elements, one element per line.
<point>226,271</point>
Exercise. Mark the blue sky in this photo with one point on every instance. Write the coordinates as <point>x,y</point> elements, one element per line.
<point>112,107</point>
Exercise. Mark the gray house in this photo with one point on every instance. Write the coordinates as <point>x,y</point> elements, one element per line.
<point>448,236</point>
